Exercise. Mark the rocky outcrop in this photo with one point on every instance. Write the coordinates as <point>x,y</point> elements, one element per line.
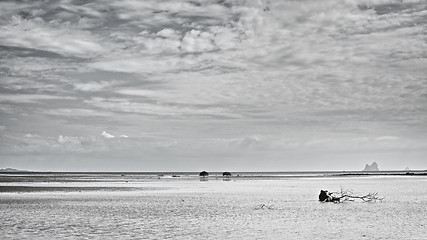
<point>371,168</point>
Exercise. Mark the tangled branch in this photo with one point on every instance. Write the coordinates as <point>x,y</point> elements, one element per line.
<point>345,195</point>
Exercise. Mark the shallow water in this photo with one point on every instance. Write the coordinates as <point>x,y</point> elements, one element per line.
<point>172,208</point>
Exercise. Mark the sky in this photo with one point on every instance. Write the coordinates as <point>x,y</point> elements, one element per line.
<point>216,85</point>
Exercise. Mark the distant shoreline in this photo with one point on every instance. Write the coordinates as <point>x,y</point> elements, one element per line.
<point>12,182</point>
<point>234,174</point>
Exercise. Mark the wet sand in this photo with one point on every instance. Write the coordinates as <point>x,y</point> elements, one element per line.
<point>126,206</point>
<point>22,189</point>
<point>21,182</point>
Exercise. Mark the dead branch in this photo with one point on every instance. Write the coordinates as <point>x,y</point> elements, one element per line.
<point>345,195</point>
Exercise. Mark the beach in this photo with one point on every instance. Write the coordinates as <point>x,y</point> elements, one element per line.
<point>185,206</point>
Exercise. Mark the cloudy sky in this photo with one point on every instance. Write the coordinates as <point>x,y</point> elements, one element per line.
<point>128,85</point>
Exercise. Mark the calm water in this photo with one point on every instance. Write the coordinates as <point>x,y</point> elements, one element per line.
<point>148,207</point>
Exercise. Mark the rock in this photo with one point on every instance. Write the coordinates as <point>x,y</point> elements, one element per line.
<point>325,196</point>
<point>371,168</point>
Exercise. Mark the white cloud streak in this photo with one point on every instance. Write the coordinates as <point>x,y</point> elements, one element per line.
<point>47,36</point>
<point>28,98</point>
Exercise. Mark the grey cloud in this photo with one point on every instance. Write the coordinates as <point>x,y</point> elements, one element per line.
<point>28,98</point>
<point>94,86</point>
<point>387,138</point>
<point>47,37</point>
<point>29,52</point>
<point>158,109</point>
<point>76,112</point>
<point>247,142</point>
<point>391,7</point>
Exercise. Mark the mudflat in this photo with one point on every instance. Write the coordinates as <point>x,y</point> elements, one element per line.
<point>188,207</point>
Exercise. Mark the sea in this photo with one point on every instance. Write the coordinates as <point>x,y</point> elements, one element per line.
<point>182,205</point>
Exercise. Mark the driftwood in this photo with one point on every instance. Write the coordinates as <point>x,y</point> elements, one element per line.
<point>345,195</point>
<point>264,206</point>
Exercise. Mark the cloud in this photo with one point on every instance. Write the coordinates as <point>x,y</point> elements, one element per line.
<point>29,98</point>
<point>165,41</point>
<point>387,138</point>
<point>29,135</point>
<point>66,139</point>
<point>140,92</point>
<point>169,33</point>
<point>94,86</point>
<point>34,143</point>
<point>107,135</point>
<point>138,65</point>
<point>247,142</point>
<point>76,112</point>
<point>160,109</point>
<point>36,33</point>
<point>154,13</point>
<point>197,41</point>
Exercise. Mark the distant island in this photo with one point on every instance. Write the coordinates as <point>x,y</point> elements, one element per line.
<point>12,170</point>
<point>371,168</point>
